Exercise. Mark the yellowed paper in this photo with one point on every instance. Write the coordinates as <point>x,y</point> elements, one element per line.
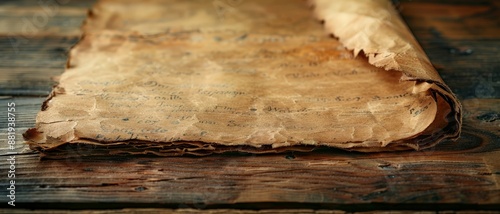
<point>187,77</point>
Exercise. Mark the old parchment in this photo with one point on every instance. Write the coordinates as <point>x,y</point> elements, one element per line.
<point>200,77</point>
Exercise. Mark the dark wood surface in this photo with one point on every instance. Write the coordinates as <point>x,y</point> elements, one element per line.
<point>461,37</point>
<point>224,211</point>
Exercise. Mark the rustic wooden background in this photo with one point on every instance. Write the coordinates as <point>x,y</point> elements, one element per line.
<point>462,38</point>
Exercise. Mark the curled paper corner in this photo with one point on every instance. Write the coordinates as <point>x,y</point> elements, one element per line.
<point>379,33</point>
<point>385,40</point>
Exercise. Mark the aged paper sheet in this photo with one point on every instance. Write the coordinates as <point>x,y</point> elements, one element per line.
<point>201,77</point>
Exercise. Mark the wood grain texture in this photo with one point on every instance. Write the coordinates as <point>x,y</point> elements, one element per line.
<point>454,20</point>
<point>35,37</point>
<point>28,67</point>
<point>27,18</point>
<point>224,211</point>
<point>25,113</point>
<point>461,37</point>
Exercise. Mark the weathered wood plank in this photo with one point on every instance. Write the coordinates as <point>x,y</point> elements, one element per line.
<point>472,75</point>
<point>462,39</point>
<point>314,178</point>
<point>27,68</point>
<point>26,109</point>
<point>28,19</point>
<point>34,39</point>
<point>235,211</point>
<point>455,20</point>
<point>25,113</point>
<point>28,3</point>
<point>194,211</point>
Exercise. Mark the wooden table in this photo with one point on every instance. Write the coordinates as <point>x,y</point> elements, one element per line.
<point>462,38</point>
